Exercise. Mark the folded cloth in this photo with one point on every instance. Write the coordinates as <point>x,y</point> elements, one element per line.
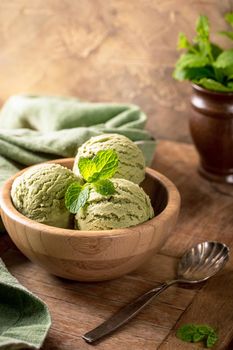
<point>24,318</point>
<point>36,129</point>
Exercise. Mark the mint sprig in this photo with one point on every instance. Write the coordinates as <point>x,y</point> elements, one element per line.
<point>96,172</point>
<point>192,333</point>
<point>204,62</point>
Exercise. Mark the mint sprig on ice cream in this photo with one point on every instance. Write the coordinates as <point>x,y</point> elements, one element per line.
<point>96,172</point>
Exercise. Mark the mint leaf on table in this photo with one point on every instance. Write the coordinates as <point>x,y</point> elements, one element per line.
<point>186,332</point>
<point>104,187</point>
<point>76,197</point>
<point>211,339</point>
<point>102,166</point>
<point>192,333</point>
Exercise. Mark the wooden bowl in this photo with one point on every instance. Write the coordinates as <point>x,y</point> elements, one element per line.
<point>94,255</point>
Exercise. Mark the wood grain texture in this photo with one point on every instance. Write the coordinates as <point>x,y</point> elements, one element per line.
<point>206,214</point>
<point>94,255</point>
<point>115,50</point>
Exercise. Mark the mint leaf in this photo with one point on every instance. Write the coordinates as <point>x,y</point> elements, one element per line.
<point>82,198</point>
<point>71,196</point>
<point>76,197</point>
<point>204,329</point>
<point>214,85</point>
<point>194,73</point>
<point>106,163</point>
<point>183,42</point>
<point>86,167</point>
<point>229,18</point>
<point>198,337</point>
<point>225,59</point>
<point>102,166</point>
<point>192,60</point>
<point>211,339</point>
<point>202,28</point>
<point>104,187</point>
<point>186,332</point>
<point>194,333</point>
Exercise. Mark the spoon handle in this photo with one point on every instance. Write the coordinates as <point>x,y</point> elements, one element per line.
<point>123,315</point>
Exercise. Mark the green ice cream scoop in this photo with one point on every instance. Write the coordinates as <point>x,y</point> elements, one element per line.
<point>128,206</point>
<point>39,194</point>
<point>131,164</point>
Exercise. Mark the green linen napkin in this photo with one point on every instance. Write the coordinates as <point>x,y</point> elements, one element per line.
<point>24,318</point>
<point>35,129</point>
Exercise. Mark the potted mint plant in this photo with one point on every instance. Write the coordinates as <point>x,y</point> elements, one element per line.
<point>210,69</point>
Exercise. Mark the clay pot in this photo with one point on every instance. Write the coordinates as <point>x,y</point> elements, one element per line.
<point>211,126</point>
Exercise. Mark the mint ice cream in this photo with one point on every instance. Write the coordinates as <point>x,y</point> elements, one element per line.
<point>131,160</point>
<point>39,194</point>
<point>128,206</point>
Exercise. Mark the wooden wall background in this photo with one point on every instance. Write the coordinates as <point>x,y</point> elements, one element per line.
<point>104,50</point>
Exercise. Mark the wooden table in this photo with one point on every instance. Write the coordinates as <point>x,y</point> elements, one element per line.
<point>206,214</point>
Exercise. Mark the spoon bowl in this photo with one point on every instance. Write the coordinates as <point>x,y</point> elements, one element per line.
<point>202,261</point>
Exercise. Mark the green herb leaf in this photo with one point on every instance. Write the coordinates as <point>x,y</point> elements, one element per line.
<point>104,187</point>
<point>211,339</point>
<point>190,60</point>
<point>76,197</point>
<point>198,337</point>
<point>229,18</point>
<point>106,163</point>
<point>225,59</point>
<point>194,333</point>
<point>102,166</point>
<point>211,84</point>
<point>204,329</point>
<point>194,73</point>
<point>202,27</point>
<point>183,42</point>
<point>186,332</point>
<point>86,167</point>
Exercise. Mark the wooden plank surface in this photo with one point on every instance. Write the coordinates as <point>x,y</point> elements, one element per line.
<point>206,214</point>
<point>98,50</point>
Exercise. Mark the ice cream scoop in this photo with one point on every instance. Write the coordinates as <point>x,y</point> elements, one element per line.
<point>131,164</point>
<point>39,194</point>
<point>128,206</point>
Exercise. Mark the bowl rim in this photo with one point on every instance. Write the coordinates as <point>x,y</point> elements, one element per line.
<point>7,207</point>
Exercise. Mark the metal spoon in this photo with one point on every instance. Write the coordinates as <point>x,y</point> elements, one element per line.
<point>197,265</point>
